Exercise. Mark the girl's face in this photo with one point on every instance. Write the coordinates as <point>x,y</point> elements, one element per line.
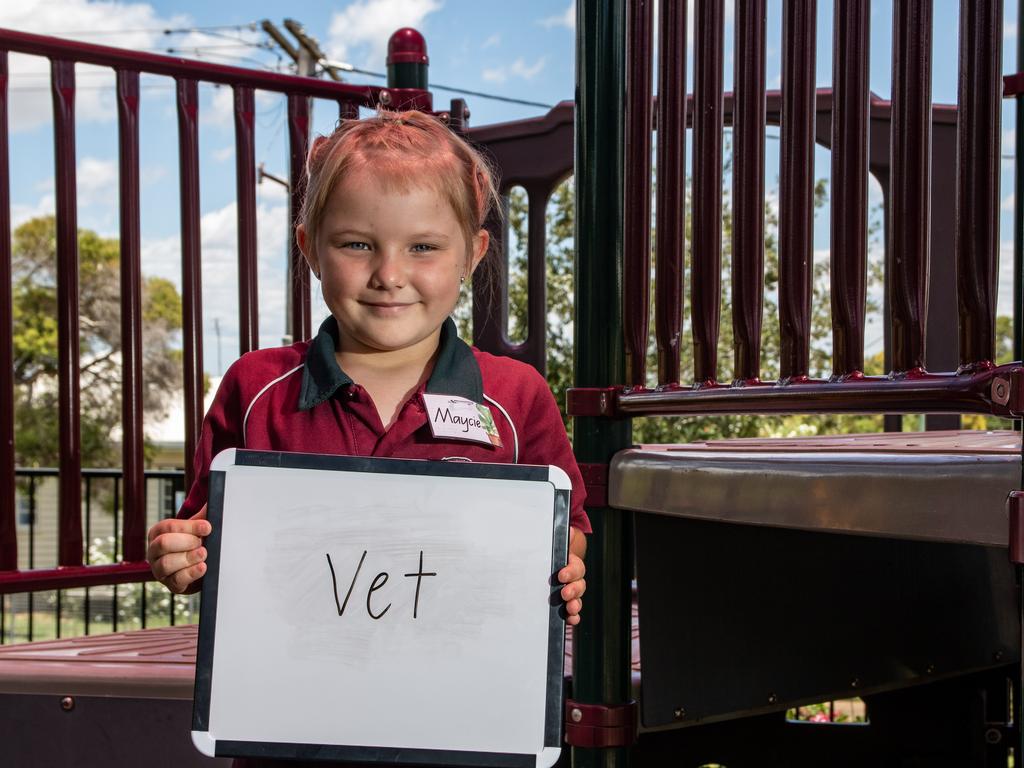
<point>390,263</point>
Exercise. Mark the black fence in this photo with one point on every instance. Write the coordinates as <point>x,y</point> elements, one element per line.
<point>88,610</point>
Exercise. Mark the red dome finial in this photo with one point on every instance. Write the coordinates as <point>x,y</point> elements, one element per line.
<point>407,46</point>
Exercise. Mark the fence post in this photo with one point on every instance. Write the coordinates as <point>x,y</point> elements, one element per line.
<point>601,656</point>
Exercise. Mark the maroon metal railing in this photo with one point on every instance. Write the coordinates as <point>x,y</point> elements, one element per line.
<point>535,154</point>
<point>128,66</point>
<point>851,125</point>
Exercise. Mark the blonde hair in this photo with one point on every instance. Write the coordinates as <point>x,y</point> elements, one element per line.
<point>403,149</point>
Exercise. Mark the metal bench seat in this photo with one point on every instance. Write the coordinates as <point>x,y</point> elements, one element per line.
<point>930,486</point>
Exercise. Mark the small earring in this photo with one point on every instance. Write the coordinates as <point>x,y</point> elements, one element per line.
<point>462,279</point>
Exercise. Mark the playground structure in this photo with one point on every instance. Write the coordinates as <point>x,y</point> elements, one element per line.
<point>929,632</point>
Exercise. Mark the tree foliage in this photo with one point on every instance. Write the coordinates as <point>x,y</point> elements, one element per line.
<point>36,350</point>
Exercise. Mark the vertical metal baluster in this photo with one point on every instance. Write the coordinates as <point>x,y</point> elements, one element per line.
<point>298,145</point>
<point>908,251</point>
<point>117,502</point>
<point>191,274</point>
<point>796,188</point>
<point>536,279</point>
<point>670,207</point>
<point>88,542</point>
<point>636,272</point>
<point>849,243</point>
<point>31,550</point>
<point>748,189</point>
<point>8,506</point>
<point>245,191</point>
<point>978,149</point>
<point>706,268</point>
<point>132,461</point>
<point>69,400</point>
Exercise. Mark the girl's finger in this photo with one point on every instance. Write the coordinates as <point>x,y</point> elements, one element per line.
<point>183,579</point>
<point>574,589</point>
<point>169,565</point>
<point>169,543</point>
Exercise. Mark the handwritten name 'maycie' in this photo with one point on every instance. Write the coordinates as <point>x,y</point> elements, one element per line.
<point>378,582</point>
<point>440,417</point>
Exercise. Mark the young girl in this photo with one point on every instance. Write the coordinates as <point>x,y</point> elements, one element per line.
<point>392,226</point>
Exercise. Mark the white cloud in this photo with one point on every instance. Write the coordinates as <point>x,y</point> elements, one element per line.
<point>491,41</point>
<point>1007,204</point>
<point>518,68</point>
<point>363,27</point>
<point>219,233</point>
<point>223,154</point>
<point>134,26</point>
<point>97,182</point>
<point>22,212</point>
<point>565,19</point>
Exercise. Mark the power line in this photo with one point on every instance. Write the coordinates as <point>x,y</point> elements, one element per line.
<point>251,26</point>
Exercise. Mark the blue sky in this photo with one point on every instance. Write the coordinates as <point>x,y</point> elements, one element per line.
<point>521,50</point>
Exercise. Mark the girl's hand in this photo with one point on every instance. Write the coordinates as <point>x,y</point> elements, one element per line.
<point>176,552</point>
<point>572,576</point>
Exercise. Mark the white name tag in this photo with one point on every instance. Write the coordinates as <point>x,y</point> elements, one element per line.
<point>459,418</point>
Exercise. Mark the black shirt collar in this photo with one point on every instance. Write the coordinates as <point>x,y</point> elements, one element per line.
<point>456,371</point>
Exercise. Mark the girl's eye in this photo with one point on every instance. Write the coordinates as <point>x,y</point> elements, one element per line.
<point>355,245</point>
<point>423,248</point>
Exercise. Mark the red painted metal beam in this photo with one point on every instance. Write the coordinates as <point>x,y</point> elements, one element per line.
<point>978,149</point>
<point>636,273</point>
<point>849,235</point>
<point>998,391</point>
<point>796,187</point>
<point>69,550</point>
<point>245,192</point>
<point>73,577</point>
<point>133,462</point>
<point>8,529</point>
<point>171,66</point>
<point>748,120</point>
<point>706,267</point>
<point>298,146</point>
<point>670,206</point>
<point>191,272</point>
<point>910,190</point>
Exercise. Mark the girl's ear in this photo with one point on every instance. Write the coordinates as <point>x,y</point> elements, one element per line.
<point>302,239</point>
<point>481,241</point>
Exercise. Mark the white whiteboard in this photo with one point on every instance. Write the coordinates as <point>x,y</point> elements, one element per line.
<point>307,649</point>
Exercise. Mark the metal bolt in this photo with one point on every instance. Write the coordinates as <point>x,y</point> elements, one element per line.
<point>993,736</point>
<point>67,703</point>
<point>855,683</point>
<point>445,117</point>
<point>576,714</point>
<point>385,97</point>
<point>679,713</point>
<point>1001,391</point>
<point>930,669</point>
<point>773,699</point>
<point>998,655</point>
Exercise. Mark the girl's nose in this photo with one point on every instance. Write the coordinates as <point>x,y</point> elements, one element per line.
<point>388,272</point>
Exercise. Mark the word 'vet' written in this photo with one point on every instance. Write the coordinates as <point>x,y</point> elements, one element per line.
<point>378,581</point>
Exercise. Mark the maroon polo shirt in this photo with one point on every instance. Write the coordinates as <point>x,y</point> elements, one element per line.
<point>297,398</point>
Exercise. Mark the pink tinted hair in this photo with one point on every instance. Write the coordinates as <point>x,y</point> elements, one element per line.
<point>402,149</point>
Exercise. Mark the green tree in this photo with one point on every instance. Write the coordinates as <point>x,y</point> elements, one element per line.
<point>35,344</point>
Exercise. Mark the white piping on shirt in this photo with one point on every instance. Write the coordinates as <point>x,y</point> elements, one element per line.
<point>259,394</point>
<point>515,434</point>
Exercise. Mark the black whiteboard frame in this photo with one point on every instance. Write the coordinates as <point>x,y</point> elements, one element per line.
<point>553,723</point>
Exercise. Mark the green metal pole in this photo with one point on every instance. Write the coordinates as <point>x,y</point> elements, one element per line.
<point>601,650</point>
